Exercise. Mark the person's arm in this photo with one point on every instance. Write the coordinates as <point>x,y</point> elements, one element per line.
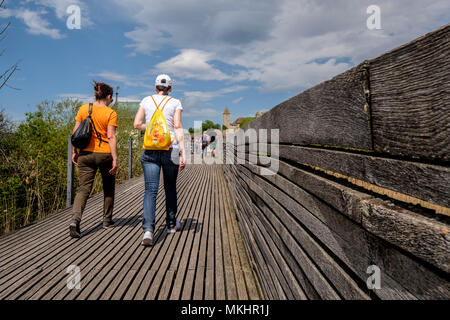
<point>139,119</point>
<point>113,145</point>
<point>178,128</point>
<point>74,149</point>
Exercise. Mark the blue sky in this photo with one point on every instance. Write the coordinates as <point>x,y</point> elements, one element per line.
<point>247,55</point>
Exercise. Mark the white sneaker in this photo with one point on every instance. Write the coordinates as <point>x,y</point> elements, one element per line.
<point>177,227</point>
<point>148,238</point>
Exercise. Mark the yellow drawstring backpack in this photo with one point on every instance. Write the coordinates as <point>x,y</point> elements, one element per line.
<point>157,135</point>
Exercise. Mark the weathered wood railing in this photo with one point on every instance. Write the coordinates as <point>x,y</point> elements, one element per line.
<point>361,179</point>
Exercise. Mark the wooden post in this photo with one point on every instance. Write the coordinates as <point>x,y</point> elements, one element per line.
<point>130,158</point>
<point>70,171</point>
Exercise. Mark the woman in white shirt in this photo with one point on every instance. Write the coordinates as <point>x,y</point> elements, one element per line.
<point>171,161</point>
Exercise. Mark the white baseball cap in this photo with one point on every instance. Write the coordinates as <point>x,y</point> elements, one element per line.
<point>163,80</point>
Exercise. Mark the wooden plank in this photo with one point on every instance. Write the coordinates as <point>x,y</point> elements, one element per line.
<point>51,255</point>
<point>354,239</point>
<point>250,279</point>
<point>346,251</point>
<point>273,275</point>
<point>289,281</point>
<point>184,248</point>
<point>14,239</point>
<point>183,190</point>
<point>87,257</point>
<point>220,293</point>
<point>161,269</point>
<point>435,230</point>
<point>117,273</point>
<point>103,262</point>
<point>409,90</point>
<point>424,237</point>
<point>143,281</point>
<point>199,283</point>
<point>189,279</point>
<point>424,181</point>
<point>210,258</point>
<point>323,261</point>
<point>21,251</point>
<point>238,272</point>
<point>331,113</point>
<point>185,258</point>
<point>259,266</point>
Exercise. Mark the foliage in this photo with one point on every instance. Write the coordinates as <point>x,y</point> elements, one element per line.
<point>246,121</point>
<point>208,124</point>
<point>224,127</point>
<point>33,166</point>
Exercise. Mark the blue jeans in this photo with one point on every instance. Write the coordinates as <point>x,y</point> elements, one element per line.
<point>152,161</point>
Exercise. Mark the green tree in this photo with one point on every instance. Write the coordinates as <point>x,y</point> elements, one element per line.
<point>246,121</point>
<point>208,124</point>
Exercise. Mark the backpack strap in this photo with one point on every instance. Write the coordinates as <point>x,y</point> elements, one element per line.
<point>157,105</point>
<point>99,136</point>
<point>166,103</point>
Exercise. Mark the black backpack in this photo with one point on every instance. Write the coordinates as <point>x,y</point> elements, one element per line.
<point>82,136</point>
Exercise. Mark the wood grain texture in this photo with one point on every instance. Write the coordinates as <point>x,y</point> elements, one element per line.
<point>425,238</point>
<point>331,113</point>
<point>357,247</point>
<point>113,263</point>
<point>410,98</point>
<point>424,181</point>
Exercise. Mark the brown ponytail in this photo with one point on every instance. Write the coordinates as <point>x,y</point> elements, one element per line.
<point>102,90</point>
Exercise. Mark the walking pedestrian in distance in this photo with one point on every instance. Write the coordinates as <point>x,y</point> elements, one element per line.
<point>212,146</point>
<point>171,158</point>
<point>204,144</point>
<point>100,154</point>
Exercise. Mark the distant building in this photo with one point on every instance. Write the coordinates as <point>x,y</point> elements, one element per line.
<point>234,126</point>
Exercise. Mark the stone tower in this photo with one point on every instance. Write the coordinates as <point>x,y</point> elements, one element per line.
<point>226,118</point>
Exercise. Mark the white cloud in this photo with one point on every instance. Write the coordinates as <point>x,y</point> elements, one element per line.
<point>60,6</point>
<point>276,44</point>
<point>191,63</point>
<point>60,9</point>
<point>195,100</point>
<point>35,23</point>
<point>237,100</point>
<point>132,81</point>
<point>86,98</point>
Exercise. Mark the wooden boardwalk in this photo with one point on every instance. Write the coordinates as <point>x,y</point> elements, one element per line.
<point>205,260</point>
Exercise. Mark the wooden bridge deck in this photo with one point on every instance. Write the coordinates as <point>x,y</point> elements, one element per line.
<point>205,260</point>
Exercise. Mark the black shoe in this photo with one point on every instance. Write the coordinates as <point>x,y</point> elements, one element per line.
<point>74,229</point>
<point>108,224</point>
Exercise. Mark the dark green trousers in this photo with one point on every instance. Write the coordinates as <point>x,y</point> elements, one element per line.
<point>88,164</point>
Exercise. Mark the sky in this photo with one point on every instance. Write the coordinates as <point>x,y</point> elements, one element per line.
<point>249,55</point>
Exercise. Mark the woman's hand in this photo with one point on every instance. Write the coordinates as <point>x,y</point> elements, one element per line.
<point>182,160</point>
<point>113,170</point>
<point>75,157</point>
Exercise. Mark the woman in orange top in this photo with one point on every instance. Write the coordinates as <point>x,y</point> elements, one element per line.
<point>101,153</point>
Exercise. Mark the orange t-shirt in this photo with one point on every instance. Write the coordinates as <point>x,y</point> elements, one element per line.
<point>102,117</point>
